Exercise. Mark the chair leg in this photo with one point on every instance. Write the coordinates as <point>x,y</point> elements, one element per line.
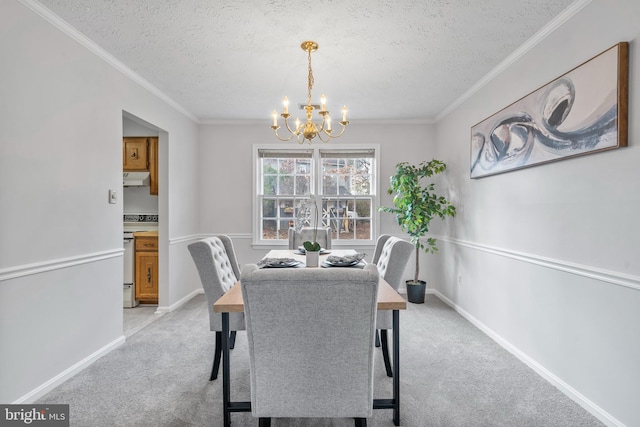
<point>216,357</point>
<point>385,352</point>
<point>264,422</point>
<point>377,338</point>
<point>360,422</point>
<point>232,339</point>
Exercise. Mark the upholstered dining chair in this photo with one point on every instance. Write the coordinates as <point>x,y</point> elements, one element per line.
<point>296,239</point>
<point>391,257</point>
<point>291,314</point>
<point>218,268</point>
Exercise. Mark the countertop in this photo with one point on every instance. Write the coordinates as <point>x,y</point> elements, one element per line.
<point>151,233</point>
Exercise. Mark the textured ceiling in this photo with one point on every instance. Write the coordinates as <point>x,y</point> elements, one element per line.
<point>229,60</point>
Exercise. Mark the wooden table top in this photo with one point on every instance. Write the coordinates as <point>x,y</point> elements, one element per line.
<point>388,298</point>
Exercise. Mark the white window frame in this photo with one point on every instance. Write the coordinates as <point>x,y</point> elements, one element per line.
<point>316,188</point>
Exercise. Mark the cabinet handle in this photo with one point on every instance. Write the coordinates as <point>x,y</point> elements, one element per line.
<point>148,275</point>
<point>134,153</point>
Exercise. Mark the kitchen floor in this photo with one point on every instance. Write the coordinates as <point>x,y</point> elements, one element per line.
<point>137,318</point>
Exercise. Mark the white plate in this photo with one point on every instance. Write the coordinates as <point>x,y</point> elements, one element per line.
<point>302,251</point>
<point>282,265</point>
<point>342,264</point>
<point>358,264</point>
<point>279,263</point>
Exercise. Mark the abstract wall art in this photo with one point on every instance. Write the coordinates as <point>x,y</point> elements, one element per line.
<point>581,112</point>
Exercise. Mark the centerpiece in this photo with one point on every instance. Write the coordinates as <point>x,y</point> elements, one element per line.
<point>312,247</point>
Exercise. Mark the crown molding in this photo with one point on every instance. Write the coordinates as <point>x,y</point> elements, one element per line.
<point>266,122</point>
<point>76,35</point>
<point>558,21</point>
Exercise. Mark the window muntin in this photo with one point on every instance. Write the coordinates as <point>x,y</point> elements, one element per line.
<point>285,177</point>
<point>344,179</point>
<point>347,190</point>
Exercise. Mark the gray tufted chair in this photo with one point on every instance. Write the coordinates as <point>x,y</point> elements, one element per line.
<point>306,234</point>
<point>293,372</point>
<point>391,256</point>
<point>218,268</point>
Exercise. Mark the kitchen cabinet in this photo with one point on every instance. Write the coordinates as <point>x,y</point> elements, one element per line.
<point>140,153</point>
<point>135,154</point>
<point>153,166</point>
<point>146,249</point>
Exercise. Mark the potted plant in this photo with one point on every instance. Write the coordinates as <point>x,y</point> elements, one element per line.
<point>416,204</point>
<point>312,248</point>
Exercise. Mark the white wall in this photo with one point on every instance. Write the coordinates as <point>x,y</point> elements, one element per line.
<point>548,256</point>
<point>226,172</point>
<point>60,240</point>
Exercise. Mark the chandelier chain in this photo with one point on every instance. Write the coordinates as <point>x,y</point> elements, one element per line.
<point>310,78</point>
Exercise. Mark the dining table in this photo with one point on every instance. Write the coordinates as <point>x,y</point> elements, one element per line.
<point>231,302</point>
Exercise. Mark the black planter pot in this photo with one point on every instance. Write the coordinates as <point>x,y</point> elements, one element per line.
<point>416,291</point>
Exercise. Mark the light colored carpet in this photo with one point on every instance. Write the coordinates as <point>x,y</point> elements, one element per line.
<point>452,375</point>
<point>135,319</point>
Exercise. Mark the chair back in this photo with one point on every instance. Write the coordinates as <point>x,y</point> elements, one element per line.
<point>311,339</point>
<point>217,266</point>
<point>391,257</point>
<point>296,239</point>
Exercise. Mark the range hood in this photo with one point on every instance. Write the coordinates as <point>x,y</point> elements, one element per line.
<point>135,179</point>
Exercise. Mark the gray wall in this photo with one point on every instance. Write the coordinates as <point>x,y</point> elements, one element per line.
<point>226,173</point>
<point>60,241</point>
<point>548,256</point>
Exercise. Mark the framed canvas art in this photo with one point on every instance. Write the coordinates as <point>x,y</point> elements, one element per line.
<point>581,112</point>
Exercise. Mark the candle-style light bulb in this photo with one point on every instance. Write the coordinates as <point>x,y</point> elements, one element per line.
<point>344,113</point>
<point>323,103</point>
<point>275,117</point>
<point>328,122</point>
<point>285,102</point>
<point>297,123</point>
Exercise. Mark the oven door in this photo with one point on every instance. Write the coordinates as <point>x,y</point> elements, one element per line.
<point>129,260</point>
<point>129,296</point>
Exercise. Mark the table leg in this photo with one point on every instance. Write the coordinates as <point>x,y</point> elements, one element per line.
<point>226,377</point>
<point>396,367</point>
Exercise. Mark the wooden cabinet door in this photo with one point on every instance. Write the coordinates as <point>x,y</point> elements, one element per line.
<point>135,154</point>
<point>147,277</point>
<point>153,165</point>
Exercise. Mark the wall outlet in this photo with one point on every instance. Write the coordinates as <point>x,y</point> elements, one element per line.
<point>460,280</point>
<point>113,197</point>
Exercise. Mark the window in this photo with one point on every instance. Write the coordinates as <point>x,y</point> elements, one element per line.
<point>345,179</point>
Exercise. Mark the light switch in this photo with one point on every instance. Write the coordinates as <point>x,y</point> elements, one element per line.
<point>113,197</point>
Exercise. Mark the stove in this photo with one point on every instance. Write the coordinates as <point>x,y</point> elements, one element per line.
<point>131,224</point>
<point>140,222</point>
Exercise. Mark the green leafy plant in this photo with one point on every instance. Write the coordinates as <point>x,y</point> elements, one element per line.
<point>416,203</point>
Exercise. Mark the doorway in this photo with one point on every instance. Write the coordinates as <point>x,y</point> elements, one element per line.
<point>143,214</point>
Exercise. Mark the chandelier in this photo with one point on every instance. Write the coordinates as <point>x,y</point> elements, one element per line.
<point>309,130</point>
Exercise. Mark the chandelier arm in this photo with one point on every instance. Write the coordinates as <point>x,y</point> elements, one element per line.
<point>275,131</point>
<point>329,134</point>
<point>322,139</point>
<point>324,115</point>
<point>286,123</point>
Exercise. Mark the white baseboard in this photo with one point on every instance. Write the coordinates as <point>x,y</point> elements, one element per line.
<point>45,388</point>
<point>565,388</point>
<point>179,303</point>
